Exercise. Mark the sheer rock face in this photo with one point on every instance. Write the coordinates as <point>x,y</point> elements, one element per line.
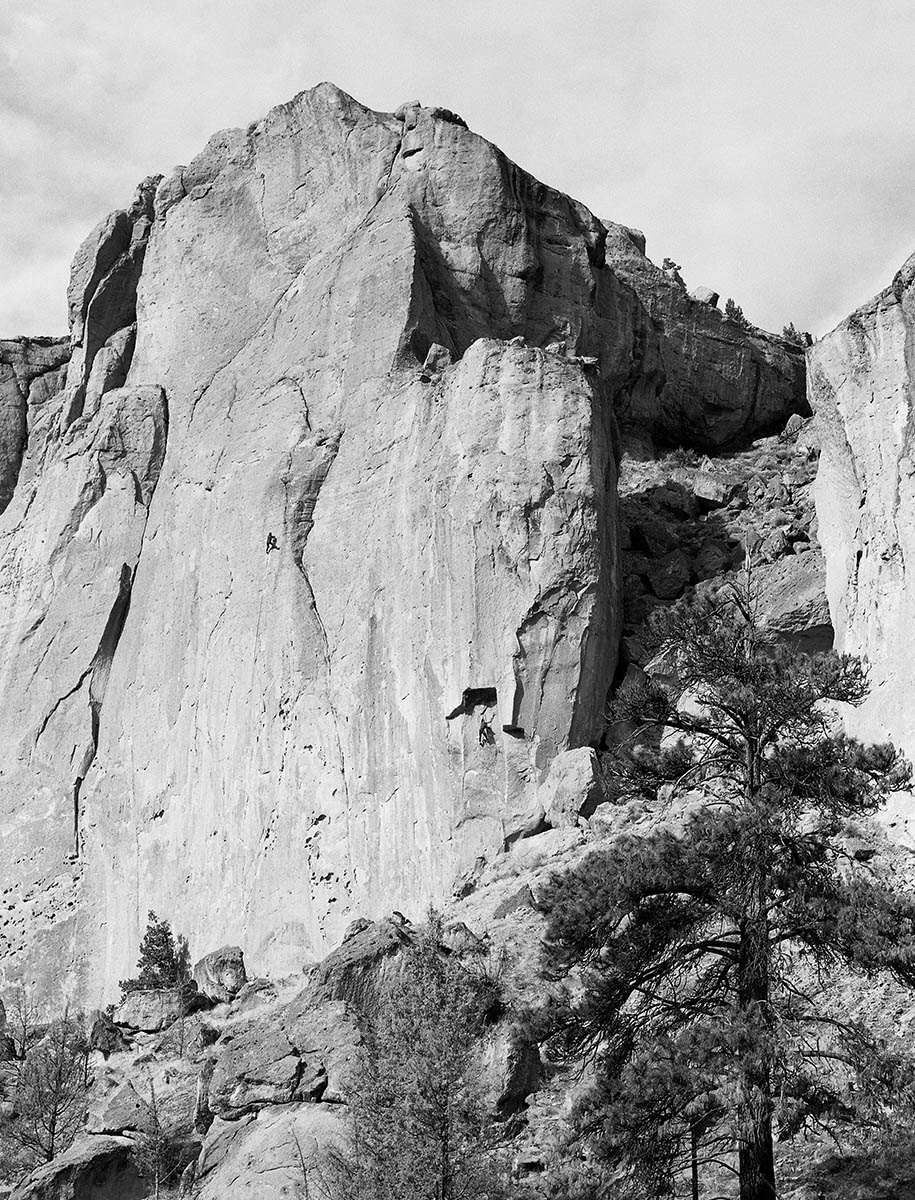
<point>259,744</point>
<point>723,384</point>
<point>862,388</point>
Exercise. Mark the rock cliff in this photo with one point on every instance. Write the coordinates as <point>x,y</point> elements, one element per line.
<point>310,571</point>
<point>723,384</point>
<point>862,387</point>
<point>258,742</point>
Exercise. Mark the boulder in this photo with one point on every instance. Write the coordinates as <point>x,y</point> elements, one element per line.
<point>369,952</point>
<point>96,1166</point>
<point>653,535</point>
<point>669,575</point>
<point>513,1068</point>
<point>220,975</point>
<point>705,295</point>
<point>714,489</point>
<point>255,994</point>
<point>122,1110</point>
<point>794,427</point>
<point>256,1067</point>
<point>149,1010</point>
<point>105,1036</point>
<point>714,558</point>
<point>437,359</point>
<point>572,787</point>
<point>676,497</point>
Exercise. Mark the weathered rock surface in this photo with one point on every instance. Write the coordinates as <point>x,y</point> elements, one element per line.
<point>862,385</point>
<point>150,1010</point>
<point>31,370</point>
<point>220,975</point>
<point>369,953</point>
<point>690,522</point>
<point>261,1157</point>
<point>724,384</point>
<point>120,1110</point>
<point>300,1052</point>
<point>105,1036</point>
<point>96,1167</point>
<point>192,720</point>
<point>572,787</point>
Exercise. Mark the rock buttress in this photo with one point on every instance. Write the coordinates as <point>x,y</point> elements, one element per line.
<point>723,385</point>
<point>862,389</point>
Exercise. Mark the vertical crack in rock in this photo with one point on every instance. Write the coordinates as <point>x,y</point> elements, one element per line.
<point>314,460</point>
<point>123,445</point>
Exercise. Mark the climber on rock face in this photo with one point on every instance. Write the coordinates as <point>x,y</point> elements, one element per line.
<point>486,735</point>
<point>272,543</point>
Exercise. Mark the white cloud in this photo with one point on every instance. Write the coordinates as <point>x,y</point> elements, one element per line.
<point>767,146</point>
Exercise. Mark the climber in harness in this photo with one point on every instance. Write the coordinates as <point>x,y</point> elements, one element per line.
<point>272,543</point>
<point>486,735</point>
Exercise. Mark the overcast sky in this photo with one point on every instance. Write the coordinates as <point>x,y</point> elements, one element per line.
<point>768,146</point>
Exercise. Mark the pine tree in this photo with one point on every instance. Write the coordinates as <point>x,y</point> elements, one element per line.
<point>796,337</point>
<point>163,961</point>
<point>702,947</point>
<point>734,312</point>
<point>419,1128</point>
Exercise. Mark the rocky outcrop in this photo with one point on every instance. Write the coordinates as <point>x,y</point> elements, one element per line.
<point>723,384</point>
<point>690,522</point>
<point>220,975</point>
<point>303,1051</point>
<point>268,1155</point>
<point>370,952</point>
<point>150,1010</point>
<point>862,388</point>
<point>31,371</point>
<point>100,1167</point>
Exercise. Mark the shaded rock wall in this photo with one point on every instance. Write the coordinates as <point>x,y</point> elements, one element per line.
<point>723,385</point>
<point>31,370</point>
<point>862,388</point>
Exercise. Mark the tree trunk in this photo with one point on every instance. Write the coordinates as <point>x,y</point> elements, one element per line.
<point>754,1113</point>
<point>694,1147</point>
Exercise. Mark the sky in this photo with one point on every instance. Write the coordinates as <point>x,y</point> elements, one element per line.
<point>767,146</point>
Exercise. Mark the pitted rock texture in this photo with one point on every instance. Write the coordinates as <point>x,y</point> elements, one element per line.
<point>724,385</point>
<point>257,742</point>
<point>862,388</point>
